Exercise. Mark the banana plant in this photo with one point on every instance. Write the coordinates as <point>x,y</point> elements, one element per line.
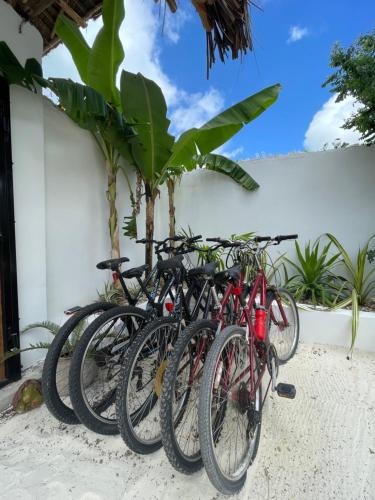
<point>158,155</point>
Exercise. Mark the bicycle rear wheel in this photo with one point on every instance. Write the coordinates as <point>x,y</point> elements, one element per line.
<point>55,384</point>
<point>283,326</point>
<point>229,420</point>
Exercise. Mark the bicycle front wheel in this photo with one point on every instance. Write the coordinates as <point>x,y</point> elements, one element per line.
<point>140,384</point>
<point>96,364</point>
<point>55,384</point>
<point>179,400</point>
<point>283,324</point>
<point>229,416</point>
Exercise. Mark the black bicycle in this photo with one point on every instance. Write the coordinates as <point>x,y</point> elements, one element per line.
<point>145,362</point>
<point>96,361</point>
<point>58,359</point>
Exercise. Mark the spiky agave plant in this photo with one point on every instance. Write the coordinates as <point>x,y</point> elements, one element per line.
<point>314,280</point>
<point>359,282</point>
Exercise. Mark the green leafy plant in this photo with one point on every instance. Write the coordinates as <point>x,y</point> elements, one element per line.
<point>158,155</point>
<point>314,280</point>
<point>53,328</point>
<point>359,283</point>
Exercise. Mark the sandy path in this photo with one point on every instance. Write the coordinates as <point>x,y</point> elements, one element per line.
<point>319,446</point>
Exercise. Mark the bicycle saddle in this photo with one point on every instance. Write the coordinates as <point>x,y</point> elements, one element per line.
<point>232,273</point>
<point>112,264</point>
<point>135,272</point>
<point>173,263</point>
<point>208,269</point>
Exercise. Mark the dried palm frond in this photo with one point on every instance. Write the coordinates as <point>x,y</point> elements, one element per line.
<point>227,26</point>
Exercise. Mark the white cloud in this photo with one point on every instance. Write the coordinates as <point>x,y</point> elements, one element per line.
<point>325,127</point>
<point>233,154</point>
<point>139,34</point>
<point>195,109</point>
<point>296,33</point>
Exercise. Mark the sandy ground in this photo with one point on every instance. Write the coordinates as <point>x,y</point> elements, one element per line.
<point>319,446</point>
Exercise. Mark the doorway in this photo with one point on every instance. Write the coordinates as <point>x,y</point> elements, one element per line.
<point>10,370</point>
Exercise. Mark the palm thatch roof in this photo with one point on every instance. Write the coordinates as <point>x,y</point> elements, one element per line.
<point>227,26</point>
<point>43,14</point>
<point>226,22</point>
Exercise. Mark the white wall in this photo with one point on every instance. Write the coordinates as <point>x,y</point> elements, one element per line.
<point>76,214</point>
<point>28,177</point>
<point>308,194</point>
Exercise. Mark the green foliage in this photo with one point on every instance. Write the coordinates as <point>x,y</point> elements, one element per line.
<point>222,127</point>
<point>73,39</point>
<point>97,66</point>
<point>359,284</point>
<point>13,71</point>
<point>358,276</point>
<point>53,328</point>
<point>130,227</point>
<point>314,280</point>
<point>107,52</point>
<point>112,293</point>
<point>144,105</point>
<point>371,256</point>
<point>355,76</point>
<point>226,166</point>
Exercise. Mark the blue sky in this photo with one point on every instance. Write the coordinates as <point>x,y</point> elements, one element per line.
<point>292,39</point>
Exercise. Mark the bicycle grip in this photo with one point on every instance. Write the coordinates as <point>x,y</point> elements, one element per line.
<point>284,237</point>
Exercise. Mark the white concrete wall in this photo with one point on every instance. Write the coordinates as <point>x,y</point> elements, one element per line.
<point>28,177</point>
<point>77,214</point>
<point>308,194</point>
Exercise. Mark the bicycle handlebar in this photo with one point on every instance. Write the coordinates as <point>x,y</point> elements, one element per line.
<point>259,239</point>
<point>285,237</point>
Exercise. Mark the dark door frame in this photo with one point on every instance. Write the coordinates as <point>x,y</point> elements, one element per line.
<point>8,268</point>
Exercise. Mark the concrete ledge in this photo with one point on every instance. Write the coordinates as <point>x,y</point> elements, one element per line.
<point>335,328</point>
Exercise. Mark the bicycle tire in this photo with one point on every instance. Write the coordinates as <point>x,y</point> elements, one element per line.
<point>221,482</point>
<point>284,357</point>
<point>125,417</point>
<point>83,410</point>
<point>178,459</point>
<point>52,398</point>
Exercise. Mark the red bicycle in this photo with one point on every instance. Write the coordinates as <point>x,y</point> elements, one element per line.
<point>230,398</point>
<point>232,291</point>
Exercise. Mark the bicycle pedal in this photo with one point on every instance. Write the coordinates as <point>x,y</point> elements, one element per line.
<point>286,390</point>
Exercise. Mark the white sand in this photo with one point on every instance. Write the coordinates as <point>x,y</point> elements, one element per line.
<point>319,446</point>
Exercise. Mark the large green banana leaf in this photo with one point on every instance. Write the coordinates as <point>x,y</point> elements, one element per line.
<point>13,71</point>
<point>221,128</point>
<point>72,37</point>
<point>226,166</point>
<point>97,66</point>
<point>107,52</point>
<point>88,108</point>
<point>144,105</point>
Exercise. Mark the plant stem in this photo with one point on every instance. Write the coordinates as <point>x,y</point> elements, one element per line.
<point>113,219</point>
<point>150,214</point>
<point>172,209</point>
